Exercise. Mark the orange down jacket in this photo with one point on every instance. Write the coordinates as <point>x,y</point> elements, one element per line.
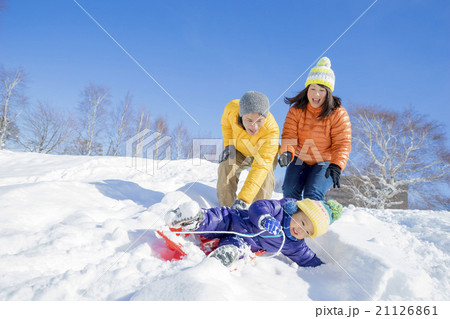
<point>314,140</point>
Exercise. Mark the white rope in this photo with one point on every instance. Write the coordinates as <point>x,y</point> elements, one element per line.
<point>235,233</point>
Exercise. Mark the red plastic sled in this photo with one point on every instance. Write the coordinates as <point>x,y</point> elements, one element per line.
<point>176,251</point>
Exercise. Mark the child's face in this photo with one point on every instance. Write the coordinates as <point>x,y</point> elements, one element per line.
<point>316,95</point>
<point>301,226</point>
<point>253,122</point>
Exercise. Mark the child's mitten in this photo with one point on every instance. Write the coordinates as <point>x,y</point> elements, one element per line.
<point>271,225</point>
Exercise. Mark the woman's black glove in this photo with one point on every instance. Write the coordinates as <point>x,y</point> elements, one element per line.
<point>285,159</point>
<point>335,172</point>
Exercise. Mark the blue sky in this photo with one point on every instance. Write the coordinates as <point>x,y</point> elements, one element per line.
<point>206,53</point>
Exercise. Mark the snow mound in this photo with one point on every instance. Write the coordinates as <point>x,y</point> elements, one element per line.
<point>83,228</point>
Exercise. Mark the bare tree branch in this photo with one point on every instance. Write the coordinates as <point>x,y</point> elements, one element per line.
<point>144,122</point>
<point>92,107</point>
<point>120,126</point>
<point>12,101</point>
<point>45,129</point>
<point>182,142</point>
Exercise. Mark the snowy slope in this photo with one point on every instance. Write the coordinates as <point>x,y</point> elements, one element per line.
<point>82,228</point>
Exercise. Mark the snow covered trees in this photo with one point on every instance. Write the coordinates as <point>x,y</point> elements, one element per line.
<point>395,152</point>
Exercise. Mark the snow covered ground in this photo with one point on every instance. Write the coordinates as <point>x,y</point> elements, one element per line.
<point>82,228</point>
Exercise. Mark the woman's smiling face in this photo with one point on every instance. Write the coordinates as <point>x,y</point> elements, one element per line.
<point>316,95</point>
<point>301,226</point>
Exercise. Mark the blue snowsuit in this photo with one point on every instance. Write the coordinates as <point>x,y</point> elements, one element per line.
<point>246,222</point>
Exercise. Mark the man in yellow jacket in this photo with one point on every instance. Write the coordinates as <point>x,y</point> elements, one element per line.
<point>250,137</point>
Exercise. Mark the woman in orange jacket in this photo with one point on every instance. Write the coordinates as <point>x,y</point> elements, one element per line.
<point>316,138</point>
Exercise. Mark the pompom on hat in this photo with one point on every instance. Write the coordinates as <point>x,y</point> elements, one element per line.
<point>322,214</point>
<point>290,208</point>
<point>322,74</point>
<point>254,102</point>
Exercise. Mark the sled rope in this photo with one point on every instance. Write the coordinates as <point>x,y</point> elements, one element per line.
<point>235,233</point>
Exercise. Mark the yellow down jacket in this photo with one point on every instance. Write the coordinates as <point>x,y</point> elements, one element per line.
<point>263,147</point>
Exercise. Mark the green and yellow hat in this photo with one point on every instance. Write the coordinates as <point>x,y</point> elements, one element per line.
<point>322,74</point>
<point>322,214</point>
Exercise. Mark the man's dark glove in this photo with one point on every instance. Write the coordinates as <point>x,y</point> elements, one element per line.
<point>285,159</point>
<point>335,172</point>
<point>240,204</point>
<point>229,151</point>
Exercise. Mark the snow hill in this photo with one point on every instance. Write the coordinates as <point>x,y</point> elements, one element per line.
<point>82,228</point>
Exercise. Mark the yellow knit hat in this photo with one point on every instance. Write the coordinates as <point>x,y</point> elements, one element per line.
<point>320,213</point>
<point>322,74</point>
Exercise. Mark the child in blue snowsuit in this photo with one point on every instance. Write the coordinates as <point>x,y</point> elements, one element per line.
<point>297,219</point>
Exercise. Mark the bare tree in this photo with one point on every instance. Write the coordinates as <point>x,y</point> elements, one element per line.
<point>143,122</point>
<point>161,128</point>
<point>394,153</point>
<point>80,145</point>
<point>12,100</point>
<point>182,142</point>
<point>120,128</point>
<point>45,130</point>
<point>92,107</point>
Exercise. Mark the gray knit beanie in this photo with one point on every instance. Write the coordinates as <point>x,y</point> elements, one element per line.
<point>254,102</point>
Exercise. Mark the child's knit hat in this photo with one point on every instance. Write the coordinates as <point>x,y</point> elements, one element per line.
<point>320,213</point>
<point>254,102</point>
<point>322,74</point>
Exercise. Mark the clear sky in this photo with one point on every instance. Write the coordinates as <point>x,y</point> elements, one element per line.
<point>206,53</point>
